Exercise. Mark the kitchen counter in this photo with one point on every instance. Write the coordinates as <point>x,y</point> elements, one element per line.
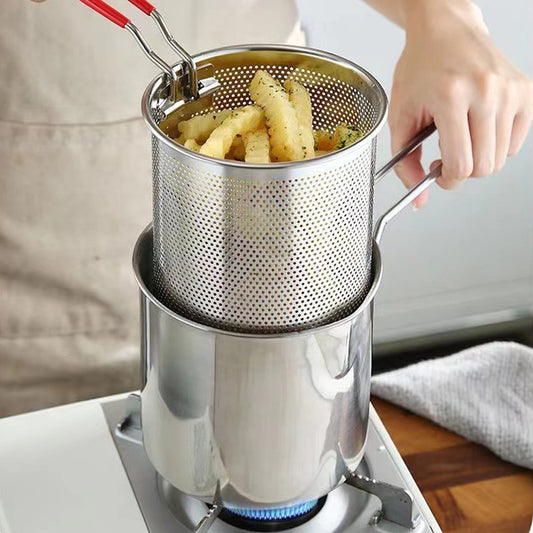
<point>468,488</point>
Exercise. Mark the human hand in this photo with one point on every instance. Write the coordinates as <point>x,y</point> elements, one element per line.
<point>450,72</point>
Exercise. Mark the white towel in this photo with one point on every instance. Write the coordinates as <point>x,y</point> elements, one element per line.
<point>484,393</point>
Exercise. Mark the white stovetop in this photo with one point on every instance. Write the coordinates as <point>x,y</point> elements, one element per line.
<point>60,472</point>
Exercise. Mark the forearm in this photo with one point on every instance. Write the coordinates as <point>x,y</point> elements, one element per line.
<point>404,12</point>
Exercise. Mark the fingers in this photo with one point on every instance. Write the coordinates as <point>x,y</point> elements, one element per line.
<point>522,120</point>
<point>411,172</point>
<point>504,127</point>
<point>482,121</point>
<point>455,146</point>
<point>521,125</point>
<point>475,139</point>
<point>409,169</point>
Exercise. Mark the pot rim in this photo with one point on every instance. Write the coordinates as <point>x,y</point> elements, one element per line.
<point>139,252</point>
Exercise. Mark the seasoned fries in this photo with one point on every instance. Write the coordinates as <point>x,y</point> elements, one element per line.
<point>345,135</point>
<point>200,127</point>
<point>236,152</point>
<point>277,127</point>
<point>240,121</point>
<point>323,141</point>
<point>257,147</point>
<point>299,98</point>
<point>280,115</point>
<point>191,144</point>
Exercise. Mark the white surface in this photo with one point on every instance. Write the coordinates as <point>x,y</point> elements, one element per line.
<point>468,253</point>
<point>60,473</point>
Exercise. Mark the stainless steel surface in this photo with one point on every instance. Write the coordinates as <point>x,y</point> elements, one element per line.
<point>347,509</point>
<point>257,292</point>
<point>267,248</point>
<point>263,415</point>
<point>207,86</point>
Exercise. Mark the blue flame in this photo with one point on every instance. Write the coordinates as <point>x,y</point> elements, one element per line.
<point>280,513</point>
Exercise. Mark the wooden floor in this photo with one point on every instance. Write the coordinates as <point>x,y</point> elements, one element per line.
<point>467,487</point>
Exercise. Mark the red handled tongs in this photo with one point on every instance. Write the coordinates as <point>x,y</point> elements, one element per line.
<point>185,83</point>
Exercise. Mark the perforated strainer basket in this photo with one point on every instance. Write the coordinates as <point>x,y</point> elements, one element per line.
<point>266,248</point>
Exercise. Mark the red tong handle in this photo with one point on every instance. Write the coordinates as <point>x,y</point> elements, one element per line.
<point>143,5</point>
<point>113,15</point>
<point>108,12</point>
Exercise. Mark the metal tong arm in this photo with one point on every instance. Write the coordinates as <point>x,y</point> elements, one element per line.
<point>122,21</point>
<point>191,87</point>
<point>430,178</point>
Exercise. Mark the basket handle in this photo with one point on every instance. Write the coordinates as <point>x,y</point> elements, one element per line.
<point>430,178</point>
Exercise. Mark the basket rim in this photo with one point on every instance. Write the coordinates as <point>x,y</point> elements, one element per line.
<point>360,145</point>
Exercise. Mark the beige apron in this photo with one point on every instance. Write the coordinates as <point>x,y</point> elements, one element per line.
<point>75,185</point>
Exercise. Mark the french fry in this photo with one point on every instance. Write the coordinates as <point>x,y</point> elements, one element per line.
<point>299,98</point>
<point>201,126</point>
<point>240,121</point>
<point>323,141</point>
<point>236,151</point>
<point>257,146</point>
<point>345,135</point>
<point>280,116</point>
<point>191,144</point>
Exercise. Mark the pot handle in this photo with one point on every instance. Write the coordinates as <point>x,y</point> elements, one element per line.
<point>430,178</point>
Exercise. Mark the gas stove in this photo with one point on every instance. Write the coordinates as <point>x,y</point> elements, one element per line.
<point>80,469</point>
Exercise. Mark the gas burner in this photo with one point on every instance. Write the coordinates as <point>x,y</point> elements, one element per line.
<point>276,514</point>
<point>279,519</point>
<point>350,508</point>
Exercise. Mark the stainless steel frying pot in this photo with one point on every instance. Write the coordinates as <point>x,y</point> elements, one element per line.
<point>271,420</point>
<point>257,287</point>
